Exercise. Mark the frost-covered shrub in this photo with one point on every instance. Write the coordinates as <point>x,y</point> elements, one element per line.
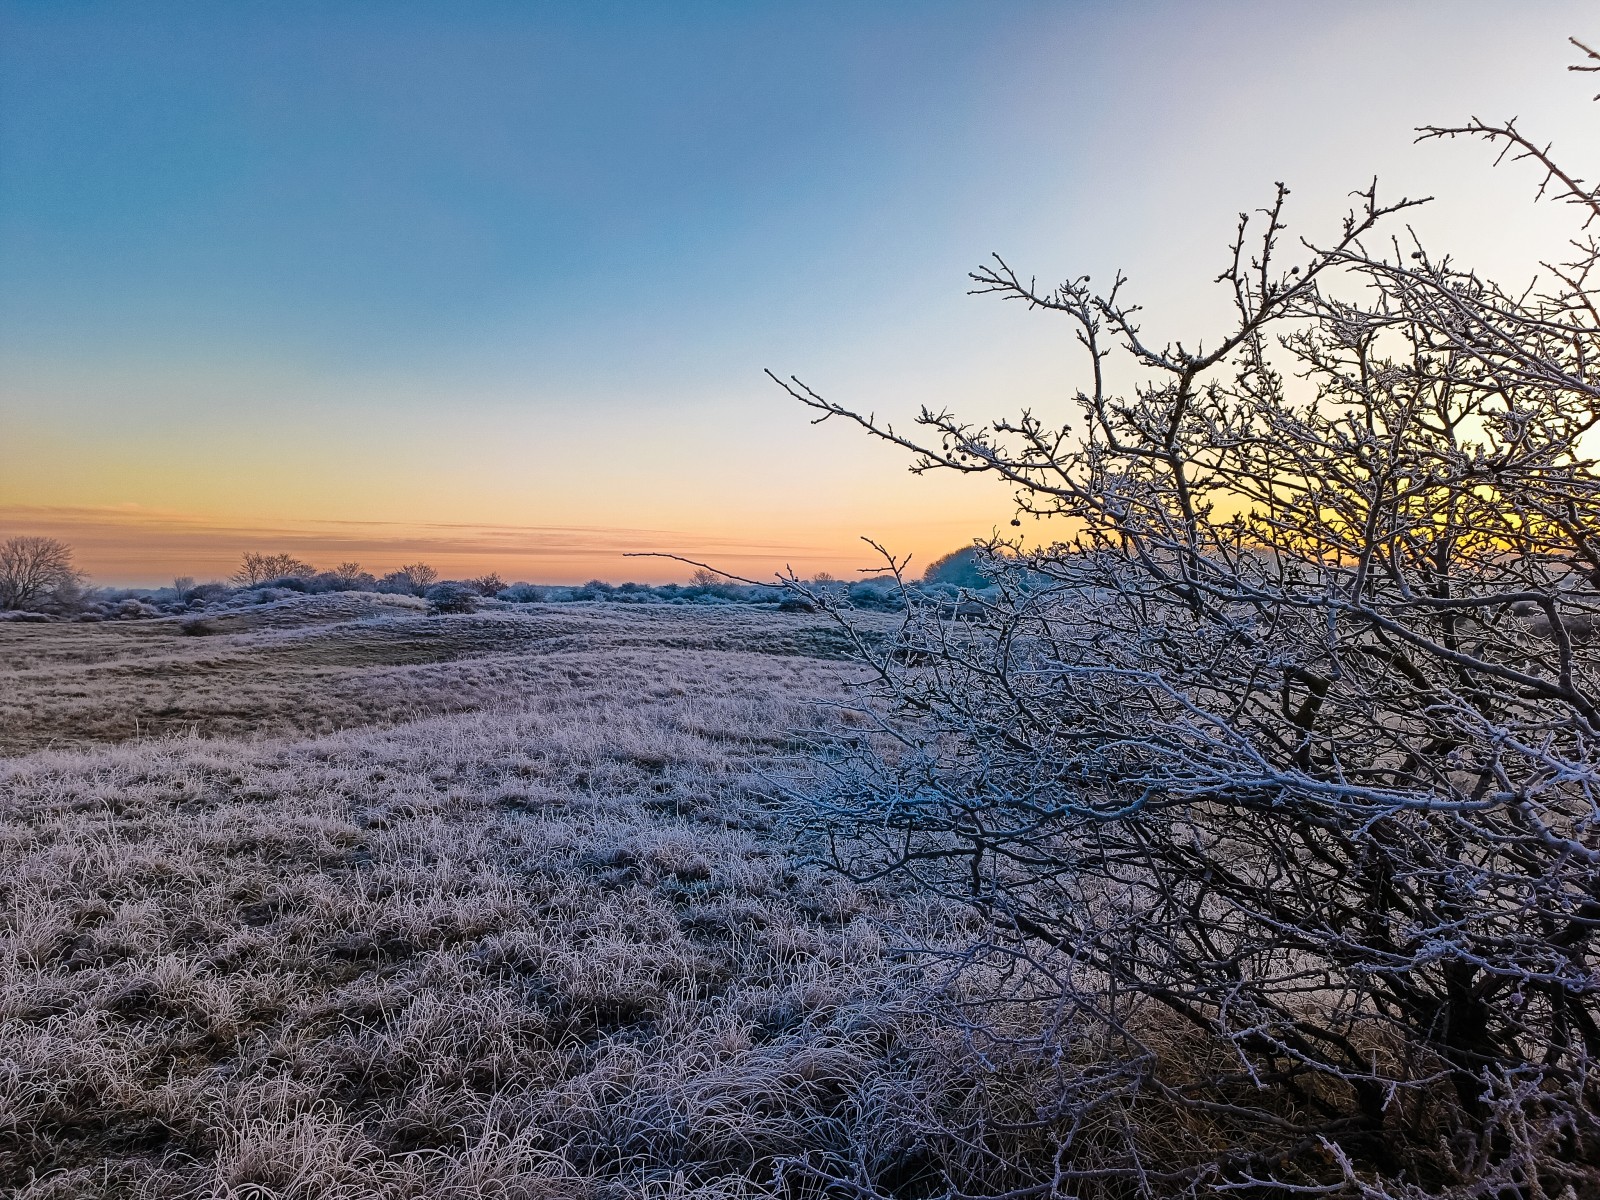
<point>521,593</point>
<point>340,581</point>
<point>1273,755</point>
<point>133,609</point>
<point>452,596</point>
<point>257,569</point>
<point>347,577</point>
<point>487,585</point>
<point>410,580</point>
<point>259,595</point>
<point>878,595</point>
<point>959,568</point>
<point>395,583</point>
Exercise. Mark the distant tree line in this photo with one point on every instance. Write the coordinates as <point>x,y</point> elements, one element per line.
<point>39,582</point>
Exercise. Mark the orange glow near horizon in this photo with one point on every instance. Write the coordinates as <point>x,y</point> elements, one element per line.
<point>493,287</point>
<point>130,546</point>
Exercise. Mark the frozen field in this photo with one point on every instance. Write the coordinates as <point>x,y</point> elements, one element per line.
<point>340,899</point>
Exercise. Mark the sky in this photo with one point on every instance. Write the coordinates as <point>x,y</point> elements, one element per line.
<point>492,284</point>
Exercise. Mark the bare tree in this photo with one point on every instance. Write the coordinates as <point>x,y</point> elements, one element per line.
<point>349,575</point>
<point>33,570</point>
<point>1292,740</point>
<point>488,585</point>
<point>411,579</point>
<point>417,576</point>
<point>257,569</point>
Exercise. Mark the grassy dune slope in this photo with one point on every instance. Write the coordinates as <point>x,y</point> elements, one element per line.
<point>319,664</point>
<point>526,923</point>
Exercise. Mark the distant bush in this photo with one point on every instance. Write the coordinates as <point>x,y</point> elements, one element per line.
<point>420,575</point>
<point>880,595</point>
<point>257,569</point>
<point>521,593</point>
<point>487,585</point>
<point>412,579</point>
<point>349,577</point>
<point>452,597</point>
<point>259,595</point>
<point>394,583</point>
<point>133,609</point>
<point>716,591</point>
<point>959,568</point>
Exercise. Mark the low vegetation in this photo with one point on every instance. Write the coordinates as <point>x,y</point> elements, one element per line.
<point>32,593</point>
<point>526,921</point>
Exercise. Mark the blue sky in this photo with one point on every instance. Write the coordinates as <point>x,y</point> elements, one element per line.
<point>521,265</point>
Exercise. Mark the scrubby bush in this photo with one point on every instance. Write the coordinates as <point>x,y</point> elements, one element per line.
<point>412,579</point>
<point>521,593</point>
<point>288,583</point>
<point>420,575</point>
<point>349,577</point>
<point>488,585</point>
<point>876,594</point>
<point>133,609</point>
<point>260,595</point>
<point>960,568</point>
<point>256,569</point>
<point>452,596</point>
<point>1277,805</point>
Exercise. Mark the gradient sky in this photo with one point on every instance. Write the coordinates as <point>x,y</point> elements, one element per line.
<point>493,284</point>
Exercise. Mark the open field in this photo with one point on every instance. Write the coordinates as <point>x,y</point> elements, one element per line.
<point>347,660</point>
<point>339,899</point>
